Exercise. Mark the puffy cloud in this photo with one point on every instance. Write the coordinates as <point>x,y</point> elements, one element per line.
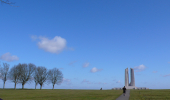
<point>139,68</point>
<point>93,70</point>
<point>8,57</point>
<point>118,81</point>
<point>55,45</point>
<point>154,72</point>
<point>86,64</point>
<point>166,75</point>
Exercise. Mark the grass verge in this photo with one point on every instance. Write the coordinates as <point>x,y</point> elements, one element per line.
<point>160,94</point>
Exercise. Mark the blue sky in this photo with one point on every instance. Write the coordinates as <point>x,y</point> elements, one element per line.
<point>91,41</point>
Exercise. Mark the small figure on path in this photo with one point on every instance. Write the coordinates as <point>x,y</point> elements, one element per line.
<point>101,89</point>
<point>124,90</point>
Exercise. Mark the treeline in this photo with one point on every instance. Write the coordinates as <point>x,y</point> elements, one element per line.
<point>23,73</point>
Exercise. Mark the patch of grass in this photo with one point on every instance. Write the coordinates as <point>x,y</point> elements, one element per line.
<point>162,94</point>
<point>58,94</point>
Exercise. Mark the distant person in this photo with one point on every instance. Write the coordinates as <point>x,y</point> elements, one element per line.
<point>124,90</point>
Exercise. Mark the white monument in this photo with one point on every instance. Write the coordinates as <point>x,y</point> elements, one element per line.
<point>130,85</point>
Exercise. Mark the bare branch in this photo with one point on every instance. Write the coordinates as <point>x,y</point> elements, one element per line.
<point>15,74</point>
<point>40,76</point>
<point>9,3</point>
<point>35,77</point>
<point>55,76</point>
<point>4,73</point>
<point>26,72</point>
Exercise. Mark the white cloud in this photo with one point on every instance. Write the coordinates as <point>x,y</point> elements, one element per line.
<point>154,71</point>
<point>86,64</point>
<point>67,81</point>
<point>166,75</point>
<point>118,81</point>
<point>33,37</point>
<point>8,57</point>
<point>93,70</point>
<point>55,45</point>
<point>85,81</point>
<point>139,68</point>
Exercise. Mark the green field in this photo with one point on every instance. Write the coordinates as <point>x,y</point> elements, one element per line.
<point>149,94</point>
<point>66,94</point>
<point>58,94</point>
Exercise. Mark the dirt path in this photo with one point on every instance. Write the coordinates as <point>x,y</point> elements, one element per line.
<point>126,97</point>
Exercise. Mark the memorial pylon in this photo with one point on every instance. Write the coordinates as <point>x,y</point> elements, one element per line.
<point>132,79</point>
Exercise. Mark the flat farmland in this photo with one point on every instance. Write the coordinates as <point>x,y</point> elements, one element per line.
<point>162,94</point>
<point>58,94</point>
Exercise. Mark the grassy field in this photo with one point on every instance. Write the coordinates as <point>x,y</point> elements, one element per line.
<point>57,94</point>
<point>149,94</point>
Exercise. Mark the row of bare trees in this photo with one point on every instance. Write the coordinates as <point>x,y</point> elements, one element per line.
<point>23,73</point>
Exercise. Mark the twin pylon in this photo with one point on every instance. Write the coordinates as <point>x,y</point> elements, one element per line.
<point>130,85</point>
<point>132,82</point>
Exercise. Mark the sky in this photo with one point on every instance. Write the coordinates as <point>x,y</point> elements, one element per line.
<point>91,42</point>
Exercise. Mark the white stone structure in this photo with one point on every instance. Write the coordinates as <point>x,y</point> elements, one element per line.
<point>130,85</point>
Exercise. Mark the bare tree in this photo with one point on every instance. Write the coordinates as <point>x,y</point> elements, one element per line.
<point>8,2</point>
<point>4,72</point>
<point>41,75</point>
<point>26,73</point>
<point>14,74</point>
<point>35,76</point>
<point>55,76</point>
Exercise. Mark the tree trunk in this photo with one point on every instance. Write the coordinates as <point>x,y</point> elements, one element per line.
<point>4,85</point>
<point>15,86</point>
<point>35,85</point>
<point>40,87</point>
<point>22,86</point>
<point>53,86</point>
